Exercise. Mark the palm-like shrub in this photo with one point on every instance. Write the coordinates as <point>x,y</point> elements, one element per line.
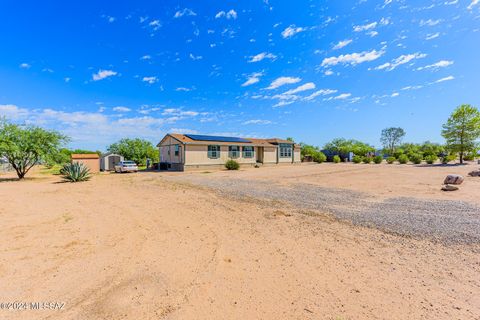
<point>391,160</point>
<point>378,159</point>
<point>232,165</point>
<point>75,172</point>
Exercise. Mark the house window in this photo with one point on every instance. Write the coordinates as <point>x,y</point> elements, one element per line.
<point>285,150</point>
<point>177,150</point>
<point>213,152</point>
<point>248,152</point>
<point>233,152</point>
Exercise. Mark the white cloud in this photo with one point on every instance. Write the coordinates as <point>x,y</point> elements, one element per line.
<point>261,56</point>
<point>445,79</point>
<point>432,36</point>
<point>150,80</point>
<point>365,27</point>
<point>343,96</point>
<point>14,112</point>
<point>155,24</point>
<point>328,72</point>
<point>67,79</point>
<point>232,14</point>
<point>252,79</point>
<point>102,74</point>
<point>184,12</point>
<point>342,44</point>
<point>303,87</point>
<point>121,109</point>
<point>353,58</point>
<point>472,4</point>
<point>282,103</point>
<point>291,31</point>
<point>193,57</point>
<point>184,89</point>
<point>257,121</point>
<point>436,66</point>
<point>283,81</point>
<point>430,22</point>
<point>321,92</point>
<point>395,94</point>
<point>25,65</point>
<point>146,57</point>
<point>403,59</point>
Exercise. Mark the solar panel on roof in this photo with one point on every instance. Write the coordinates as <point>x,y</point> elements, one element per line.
<point>199,137</point>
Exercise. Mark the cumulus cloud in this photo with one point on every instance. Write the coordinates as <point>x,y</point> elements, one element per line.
<point>102,74</point>
<point>342,44</point>
<point>291,31</point>
<point>303,87</point>
<point>261,56</point>
<point>184,12</point>
<point>252,79</point>
<point>437,65</point>
<point>281,81</point>
<point>121,109</point>
<point>365,27</point>
<point>353,58</point>
<point>449,78</point>
<point>150,80</point>
<point>232,14</point>
<point>257,121</point>
<point>403,59</point>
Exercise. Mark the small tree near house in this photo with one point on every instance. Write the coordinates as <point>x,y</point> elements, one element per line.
<point>25,146</point>
<point>391,138</point>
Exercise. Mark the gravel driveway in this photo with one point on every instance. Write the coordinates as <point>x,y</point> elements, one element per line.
<point>450,222</point>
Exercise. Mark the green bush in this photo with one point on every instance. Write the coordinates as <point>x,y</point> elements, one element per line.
<point>469,157</point>
<point>75,172</point>
<point>416,158</point>
<point>403,159</point>
<point>391,160</point>
<point>232,165</point>
<point>319,157</point>
<point>378,159</point>
<point>449,158</point>
<point>367,159</point>
<point>431,159</point>
<point>336,159</point>
<point>357,159</point>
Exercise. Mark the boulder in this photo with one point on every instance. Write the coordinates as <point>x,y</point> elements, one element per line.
<point>453,179</point>
<point>449,188</point>
<point>475,173</point>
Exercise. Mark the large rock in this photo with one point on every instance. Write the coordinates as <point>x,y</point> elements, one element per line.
<point>453,179</point>
<point>475,173</point>
<point>449,188</point>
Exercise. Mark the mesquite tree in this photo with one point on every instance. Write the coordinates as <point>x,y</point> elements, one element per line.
<point>391,138</point>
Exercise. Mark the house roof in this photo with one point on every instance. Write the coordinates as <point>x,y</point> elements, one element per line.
<point>254,141</point>
<point>85,156</point>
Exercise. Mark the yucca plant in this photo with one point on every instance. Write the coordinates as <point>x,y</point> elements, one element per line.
<point>75,172</point>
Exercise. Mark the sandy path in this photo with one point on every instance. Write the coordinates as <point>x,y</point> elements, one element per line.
<point>135,247</point>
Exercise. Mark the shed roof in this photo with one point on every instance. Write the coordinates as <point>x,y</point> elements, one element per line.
<point>85,156</point>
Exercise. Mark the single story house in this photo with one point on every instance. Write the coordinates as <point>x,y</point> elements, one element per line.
<point>90,160</point>
<point>108,161</point>
<point>189,151</point>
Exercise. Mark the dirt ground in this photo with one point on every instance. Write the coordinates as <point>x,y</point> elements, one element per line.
<point>139,246</point>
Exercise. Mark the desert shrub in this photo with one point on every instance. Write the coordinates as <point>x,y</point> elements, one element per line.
<point>403,159</point>
<point>367,159</point>
<point>378,159</point>
<point>232,165</point>
<point>431,159</point>
<point>75,172</point>
<point>469,157</point>
<point>449,158</point>
<point>336,159</point>
<point>416,158</point>
<point>357,159</point>
<point>391,160</point>
<point>319,157</point>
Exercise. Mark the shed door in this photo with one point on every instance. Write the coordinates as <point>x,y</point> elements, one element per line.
<point>112,160</point>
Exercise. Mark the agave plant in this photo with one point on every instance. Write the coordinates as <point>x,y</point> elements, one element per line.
<point>75,172</point>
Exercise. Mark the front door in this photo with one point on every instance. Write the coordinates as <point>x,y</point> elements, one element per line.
<point>260,154</point>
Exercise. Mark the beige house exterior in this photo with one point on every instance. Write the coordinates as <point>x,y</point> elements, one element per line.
<point>90,160</point>
<point>189,152</point>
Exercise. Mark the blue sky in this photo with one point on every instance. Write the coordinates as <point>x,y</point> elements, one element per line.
<point>312,70</point>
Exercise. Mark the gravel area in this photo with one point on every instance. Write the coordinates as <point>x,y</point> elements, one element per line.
<point>449,222</point>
